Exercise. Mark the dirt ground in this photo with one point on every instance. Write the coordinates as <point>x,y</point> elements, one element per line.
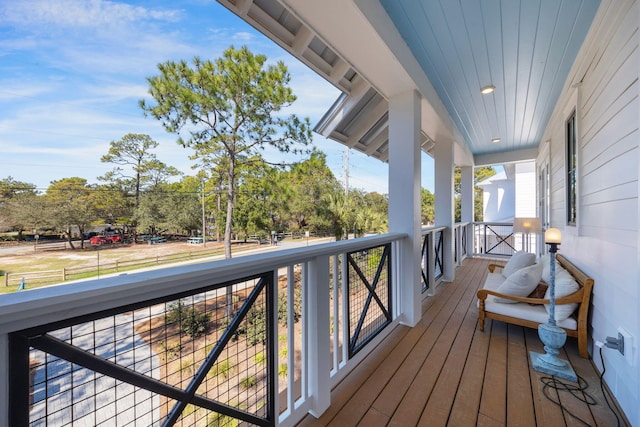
<point>13,257</point>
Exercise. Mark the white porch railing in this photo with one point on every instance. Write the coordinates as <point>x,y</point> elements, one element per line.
<point>498,238</point>
<point>461,237</point>
<point>432,258</point>
<point>261,338</point>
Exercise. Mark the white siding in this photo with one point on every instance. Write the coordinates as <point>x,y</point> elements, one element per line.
<point>603,89</point>
<point>525,189</point>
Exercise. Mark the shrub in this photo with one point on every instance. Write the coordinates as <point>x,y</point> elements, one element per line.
<point>221,369</point>
<point>283,370</point>
<point>248,382</point>
<point>260,358</point>
<point>220,420</point>
<point>297,306</point>
<point>191,321</point>
<point>254,326</point>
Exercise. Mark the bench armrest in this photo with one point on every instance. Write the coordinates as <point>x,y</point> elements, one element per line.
<point>575,297</point>
<point>492,267</point>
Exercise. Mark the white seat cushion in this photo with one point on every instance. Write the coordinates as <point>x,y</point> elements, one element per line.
<point>534,313</point>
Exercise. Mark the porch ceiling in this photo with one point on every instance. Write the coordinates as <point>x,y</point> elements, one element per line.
<point>525,49</point>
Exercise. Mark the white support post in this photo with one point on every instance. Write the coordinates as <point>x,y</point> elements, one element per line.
<point>468,204</point>
<point>443,156</point>
<point>404,198</point>
<point>317,321</point>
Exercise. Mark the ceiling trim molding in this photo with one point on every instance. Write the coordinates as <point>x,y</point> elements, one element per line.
<point>506,157</point>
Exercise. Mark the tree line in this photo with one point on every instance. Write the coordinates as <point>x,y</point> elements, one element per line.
<point>304,196</point>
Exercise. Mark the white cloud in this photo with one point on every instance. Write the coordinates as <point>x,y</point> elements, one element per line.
<point>73,71</point>
<point>63,14</point>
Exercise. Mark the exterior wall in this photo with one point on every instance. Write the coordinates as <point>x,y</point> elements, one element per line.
<point>498,199</point>
<point>525,190</point>
<point>603,90</point>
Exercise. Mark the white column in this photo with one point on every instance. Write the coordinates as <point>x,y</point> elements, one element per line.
<point>404,198</point>
<point>443,156</point>
<point>468,204</point>
<point>317,328</point>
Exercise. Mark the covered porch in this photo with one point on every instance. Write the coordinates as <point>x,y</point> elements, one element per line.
<point>445,371</point>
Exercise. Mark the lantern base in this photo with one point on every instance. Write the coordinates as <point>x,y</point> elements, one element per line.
<point>553,337</point>
<point>560,370</point>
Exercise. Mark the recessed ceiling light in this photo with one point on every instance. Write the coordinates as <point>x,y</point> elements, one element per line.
<point>495,139</point>
<point>487,89</point>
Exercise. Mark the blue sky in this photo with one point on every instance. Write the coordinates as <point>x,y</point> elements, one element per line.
<point>72,73</point>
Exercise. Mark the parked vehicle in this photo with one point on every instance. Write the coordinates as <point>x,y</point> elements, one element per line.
<point>105,240</point>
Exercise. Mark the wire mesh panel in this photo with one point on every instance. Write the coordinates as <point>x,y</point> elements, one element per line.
<point>496,238</point>
<point>369,296</point>
<point>439,254</point>
<point>463,239</point>
<point>425,261</point>
<point>203,359</point>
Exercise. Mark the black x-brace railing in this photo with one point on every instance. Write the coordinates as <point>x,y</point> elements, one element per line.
<point>38,338</point>
<point>463,230</point>
<point>439,253</point>
<point>501,239</point>
<point>426,264</point>
<point>385,261</point>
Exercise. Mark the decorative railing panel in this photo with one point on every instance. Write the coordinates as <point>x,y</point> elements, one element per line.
<point>432,256</point>
<point>369,296</point>
<point>439,254</point>
<point>257,340</point>
<point>193,359</point>
<point>425,263</point>
<point>494,238</point>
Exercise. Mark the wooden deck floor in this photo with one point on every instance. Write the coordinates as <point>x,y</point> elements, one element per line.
<point>446,372</point>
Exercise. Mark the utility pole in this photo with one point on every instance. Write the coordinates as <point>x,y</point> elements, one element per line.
<point>346,186</point>
<point>346,173</point>
<point>204,224</point>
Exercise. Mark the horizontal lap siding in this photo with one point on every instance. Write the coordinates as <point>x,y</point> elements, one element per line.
<point>605,91</point>
<point>609,139</point>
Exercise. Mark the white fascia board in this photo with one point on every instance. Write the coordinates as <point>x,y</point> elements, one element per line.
<point>386,63</point>
<point>529,154</point>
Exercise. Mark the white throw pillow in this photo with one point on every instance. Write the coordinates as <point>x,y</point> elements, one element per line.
<point>521,283</point>
<point>518,261</point>
<point>565,285</point>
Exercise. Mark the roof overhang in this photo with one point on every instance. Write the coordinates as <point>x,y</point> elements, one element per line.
<point>323,35</point>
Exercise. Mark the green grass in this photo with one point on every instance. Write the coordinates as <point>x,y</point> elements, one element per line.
<point>89,262</point>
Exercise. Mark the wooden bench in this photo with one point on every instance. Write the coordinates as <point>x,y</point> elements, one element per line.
<point>582,297</point>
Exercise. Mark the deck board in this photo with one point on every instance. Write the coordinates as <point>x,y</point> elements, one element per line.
<point>445,371</point>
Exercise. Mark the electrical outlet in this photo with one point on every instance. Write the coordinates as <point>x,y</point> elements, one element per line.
<point>625,345</point>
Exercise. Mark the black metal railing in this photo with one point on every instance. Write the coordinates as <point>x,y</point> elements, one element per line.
<point>494,238</point>
<point>432,256</point>
<point>183,360</point>
<point>369,297</point>
<point>439,254</point>
<point>256,340</point>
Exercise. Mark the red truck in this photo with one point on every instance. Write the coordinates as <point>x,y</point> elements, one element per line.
<point>104,240</point>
